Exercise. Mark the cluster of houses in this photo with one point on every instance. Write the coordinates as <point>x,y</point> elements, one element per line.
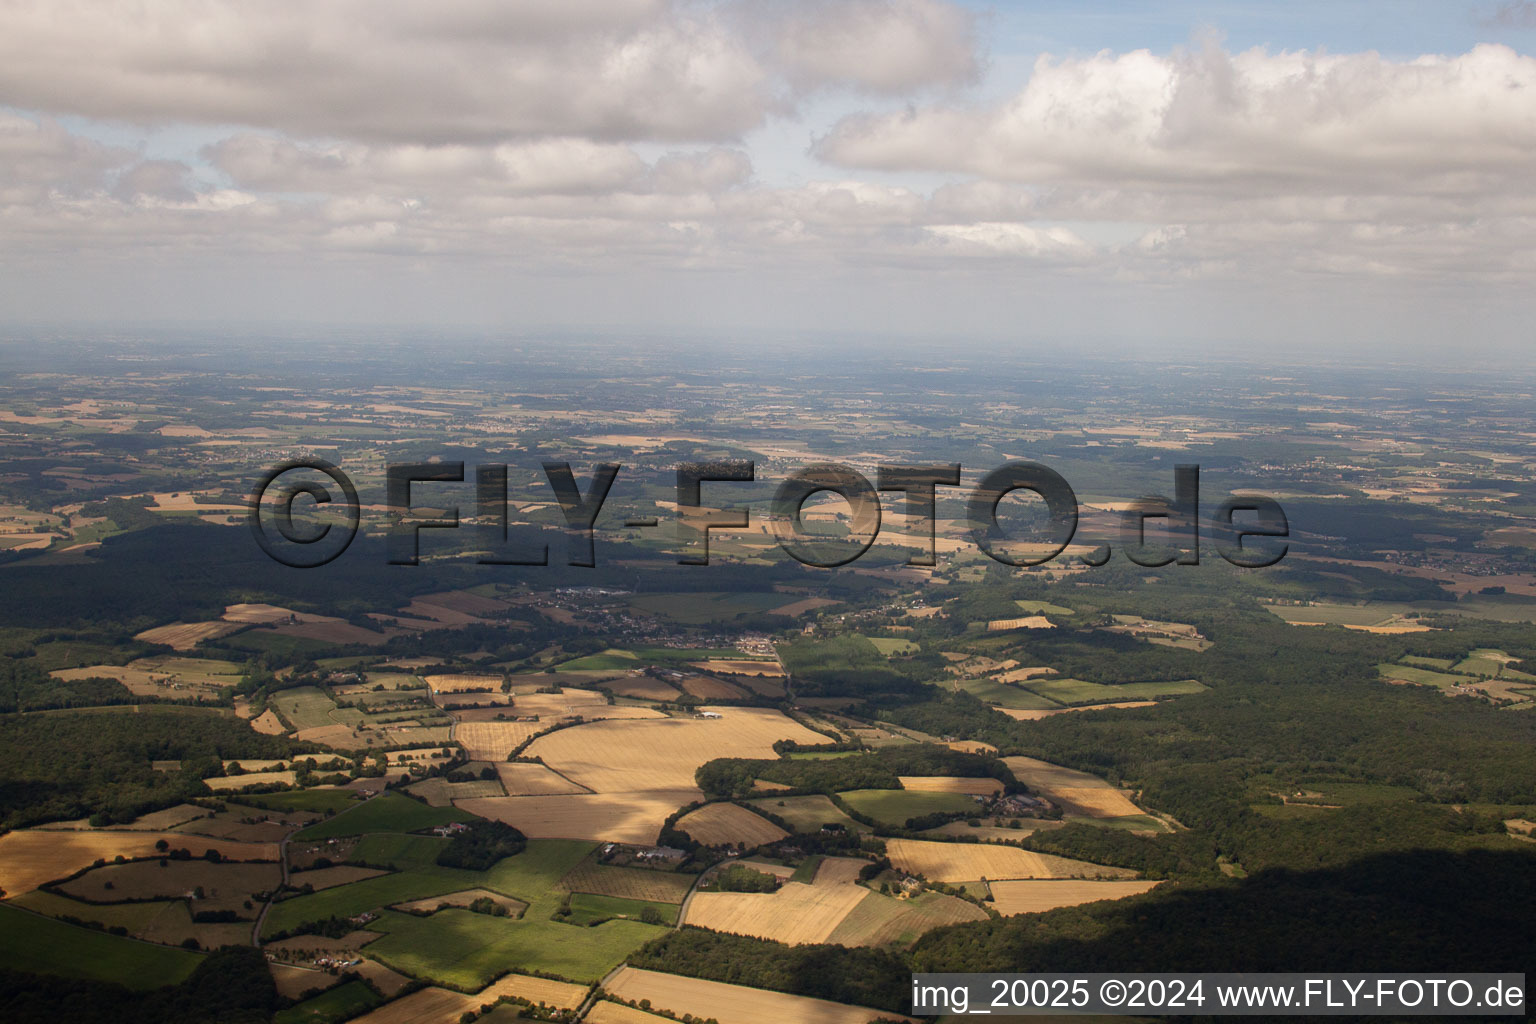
<point>453,828</point>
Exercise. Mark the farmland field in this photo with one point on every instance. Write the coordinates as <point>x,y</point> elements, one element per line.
<point>227,885</point>
<point>387,812</point>
<point>304,707</point>
<point>493,741</point>
<point>627,883</point>
<point>606,1012</point>
<point>1034,896</point>
<point>796,913</point>
<point>1076,691</point>
<point>30,857</point>
<point>339,1003</point>
<point>966,862</point>
<point>710,688</point>
<point>892,646</point>
<point>632,756</point>
<point>949,784</point>
<point>1076,792</point>
<point>733,1004</point>
<point>462,898</point>
<point>895,806</point>
<point>587,907</point>
<point>611,817</point>
<point>718,824</point>
<point>524,779</point>
<point>1007,695</point>
<point>879,920</point>
<point>1423,676</point>
<point>439,792</point>
<point>42,945</point>
<point>442,1006</point>
<point>466,950</point>
<point>642,688</point>
<point>808,813</point>
<point>528,876</point>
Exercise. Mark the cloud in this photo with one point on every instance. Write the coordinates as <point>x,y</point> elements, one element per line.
<point>1210,121</point>
<point>463,71</point>
<point>890,47</point>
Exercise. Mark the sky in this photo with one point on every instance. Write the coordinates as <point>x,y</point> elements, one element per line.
<point>1344,177</point>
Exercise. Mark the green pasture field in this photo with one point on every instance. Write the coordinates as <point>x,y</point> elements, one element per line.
<point>1005,695</point>
<point>467,950</point>
<point>1043,608</point>
<point>305,707</point>
<point>1422,676</point>
<point>891,646</point>
<point>133,916</point>
<point>530,876</point>
<point>41,945</point>
<point>807,813</point>
<point>1078,691</point>
<point>1443,664</point>
<point>387,812</point>
<point>894,806</point>
<point>340,1003</point>
<point>587,907</point>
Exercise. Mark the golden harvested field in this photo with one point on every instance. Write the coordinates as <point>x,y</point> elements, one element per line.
<point>607,817</point>
<point>971,747</point>
<point>183,636</point>
<point>627,883</point>
<point>225,783</point>
<point>568,701</point>
<point>1018,675</point>
<point>605,1012</point>
<point>741,667</point>
<point>879,920</point>
<point>292,982</point>
<point>30,857</point>
<point>442,1006</point>
<point>635,756</point>
<point>721,823</point>
<point>796,914</point>
<point>493,741</point>
<point>268,724</point>
<point>710,688</point>
<point>1025,622</point>
<point>229,826</point>
<point>1033,716</point>
<point>733,1004</point>
<point>463,898</point>
<point>839,870</point>
<point>522,779</point>
<point>966,862</point>
<point>1077,792</point>
<point>1034,897</point>
<point>261,614</point>
<point>427,612</point>
<point>461,683</point>
<point>949,784</point>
